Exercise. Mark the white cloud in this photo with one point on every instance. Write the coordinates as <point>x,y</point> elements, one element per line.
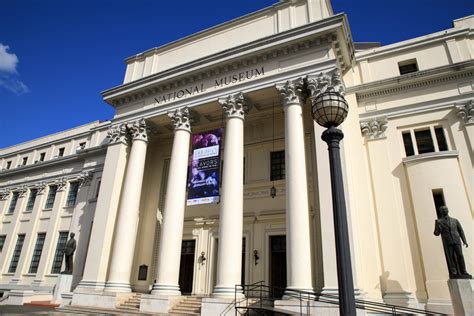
<point>8,61</point>
<point>9,77</point>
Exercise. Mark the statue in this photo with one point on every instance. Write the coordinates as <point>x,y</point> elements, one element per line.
<point>451,233</point>
<point>69,254</point>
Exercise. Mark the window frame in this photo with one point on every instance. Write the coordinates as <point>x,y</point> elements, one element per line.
<point>30,204</point>
<point>49,203</point>
<point>58,255</point>
<point>281,165</point>
<point>15,197</point>
<point>434,138</point>
<point>20,241</point>
<point>72,200</point>
<point>38,250</point>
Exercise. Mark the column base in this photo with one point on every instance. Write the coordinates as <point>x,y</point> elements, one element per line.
<point>91,285</point>
<point>297,293</point>
<point>228,292</point>
<point>118,287</point>
<point>165,290</point>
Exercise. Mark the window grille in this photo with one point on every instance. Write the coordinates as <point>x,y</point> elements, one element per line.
<point>16,253</point>
<point>35,260</point>
<point>277,159</point>
<point>31,200</point>
<point>13,203</point>
<point>2,241</point>
<point>72,195</point>
<point>51,196</point>
<point>58,256</point>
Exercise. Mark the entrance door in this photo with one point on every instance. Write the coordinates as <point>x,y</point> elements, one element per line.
<point>186,268</point>
<point>278,264</point>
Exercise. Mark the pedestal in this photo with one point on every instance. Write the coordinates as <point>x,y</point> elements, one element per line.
<point>63,285</point>
<point>462,296</point>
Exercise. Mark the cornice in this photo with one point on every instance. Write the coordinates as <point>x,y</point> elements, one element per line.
<point>413,80</point>
<point>52,162</point>
<point>413,43</point>
<point>281,44</point>
<point>83,176</point>
<point>431,156</point>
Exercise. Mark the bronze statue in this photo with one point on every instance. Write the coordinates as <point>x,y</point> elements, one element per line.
<point>69,254</point>
<point>451,233</point>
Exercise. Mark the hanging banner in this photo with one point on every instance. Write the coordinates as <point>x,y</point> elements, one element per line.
<point>203,182</point>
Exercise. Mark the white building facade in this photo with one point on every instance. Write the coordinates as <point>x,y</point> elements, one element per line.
<point>121,185</point>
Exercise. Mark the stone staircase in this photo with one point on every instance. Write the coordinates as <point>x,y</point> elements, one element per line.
<point>190,305</point>
<point>132,304</point>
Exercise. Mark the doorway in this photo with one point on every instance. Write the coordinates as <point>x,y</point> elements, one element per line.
<point>186,268</point>
<point>278,265</point>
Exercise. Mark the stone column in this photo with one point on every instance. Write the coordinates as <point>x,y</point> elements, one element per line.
<point>229,255</point>
<point>298,244</point>
<point>169,254</point>
<point>99,249</point>
<point>127,221</point>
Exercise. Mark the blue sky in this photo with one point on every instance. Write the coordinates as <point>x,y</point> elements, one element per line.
<point>56,56</point>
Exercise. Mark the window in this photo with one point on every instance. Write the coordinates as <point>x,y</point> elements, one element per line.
<point>9,164</point>
<point>51,196</point>
<point>58,256</point>
<point>426,140</point>
<point>31,200</point>
<point>407,66</point>
<point>16,253</point>
<point>98,189</point>
<point>277,161</point>
<point>37,253</point>
<point>438,198</point>
<point>72,195</point>
<point>24,161</point>
<point>82,145</point>
<point>61,152</point>
<point>41,157</point>
<point>2,241</point>
<point>13,203</point>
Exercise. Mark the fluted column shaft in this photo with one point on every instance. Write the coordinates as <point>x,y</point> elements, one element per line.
<point>229,257</point>
<point>169,254</point>
<point>127,221</point>
<point>298,247</point>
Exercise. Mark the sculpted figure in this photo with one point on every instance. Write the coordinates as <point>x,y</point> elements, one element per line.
<point>452,234</point>
<point>69,254</point>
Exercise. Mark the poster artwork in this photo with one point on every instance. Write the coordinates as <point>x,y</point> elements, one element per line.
<point>203,182</point>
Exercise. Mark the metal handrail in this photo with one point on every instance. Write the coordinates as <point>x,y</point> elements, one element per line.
<point>267,292</point>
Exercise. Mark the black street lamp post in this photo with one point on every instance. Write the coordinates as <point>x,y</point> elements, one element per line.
<point>330,110</point>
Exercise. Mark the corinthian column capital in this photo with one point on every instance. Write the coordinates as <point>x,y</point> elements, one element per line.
<point>374,128</point>
<point>291,91</point>
<point>324,82</point>
<point>235,105</point>
<point>4,194</point>
<point>181,119</point>
<point>118,134</point>
<point>138,130</point>
<point>466,112</point>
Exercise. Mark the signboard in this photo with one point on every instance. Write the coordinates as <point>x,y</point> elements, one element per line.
<point>203,182</point>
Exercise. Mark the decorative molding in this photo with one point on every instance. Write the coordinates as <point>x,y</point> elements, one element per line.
<point>85,178</point>
<point>4,194</point>
<point>374,128</point>
<point>181,119</point>
<point>329,81</point>
<point>22,190</point>
<point>41,187</point>
<point>61,184</point>
<point>292,92</point>
<point>139,130</point>
<point>118,134</point>
<point>235,105</point>
<point>466,112</point>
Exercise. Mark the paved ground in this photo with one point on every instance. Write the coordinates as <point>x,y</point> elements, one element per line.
<point>11,310</point>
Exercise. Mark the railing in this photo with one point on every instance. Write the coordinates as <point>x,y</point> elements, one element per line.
<point>259,296</point>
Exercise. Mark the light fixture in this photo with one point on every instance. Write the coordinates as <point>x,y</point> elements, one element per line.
<point>202,257</point>
<point>255,256</point>
<point>273,190</point>
<point>329,110</point>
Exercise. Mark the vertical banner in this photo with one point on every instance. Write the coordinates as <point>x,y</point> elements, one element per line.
<point>203,182</point>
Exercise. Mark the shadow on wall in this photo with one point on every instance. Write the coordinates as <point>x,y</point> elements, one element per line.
<point>394,289</point>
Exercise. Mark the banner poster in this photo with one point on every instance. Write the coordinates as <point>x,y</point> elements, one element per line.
<point>203,182</point>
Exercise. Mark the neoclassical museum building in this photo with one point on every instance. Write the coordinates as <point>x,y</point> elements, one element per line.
<point>212,172</point>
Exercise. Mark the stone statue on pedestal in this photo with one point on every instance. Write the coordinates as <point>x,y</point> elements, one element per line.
<point>69,254</point>
<point>452,234</point>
